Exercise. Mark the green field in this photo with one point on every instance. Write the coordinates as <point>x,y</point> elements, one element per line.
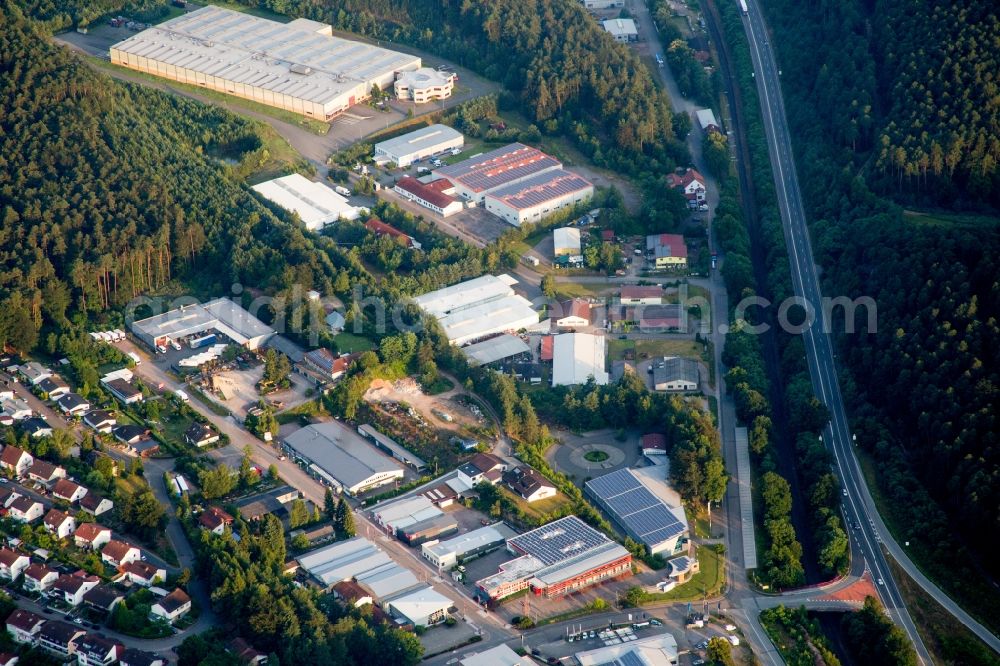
<point>349,342</point>
<point>706,583</point>
<point>944,219</point>
<point>654,349</point>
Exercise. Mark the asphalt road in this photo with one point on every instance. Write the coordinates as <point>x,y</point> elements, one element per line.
<point>819,349</point>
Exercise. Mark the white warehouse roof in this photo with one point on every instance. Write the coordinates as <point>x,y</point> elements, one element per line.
<point>567,240</point>
<point>500,655</point>
<point>577,356</point>
<point>344,455</point>
<point>495,349</point>
<point>418,605</point>
<point>478,308</point>
<point>221,314</point>
<point>659,650</point>
<point>706,118</point>
<point>424,141</point>
<point>470,541</point>
<point>621,27</point>
<point>300,59</point>
<point>344,560</point>
<point>406,512</point>
<point>316,204</point>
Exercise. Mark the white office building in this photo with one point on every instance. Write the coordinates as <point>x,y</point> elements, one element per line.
<point>420,144</point>
<point>424,85</point>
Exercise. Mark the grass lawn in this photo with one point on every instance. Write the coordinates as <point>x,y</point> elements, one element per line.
<point>315,126</point>
<point>576,290</point>
<point>349,342</point>
<point>535,511</point>
<point>654,348</point>
<point>706,583</point>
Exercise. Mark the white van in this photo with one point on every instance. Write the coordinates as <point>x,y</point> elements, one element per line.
<point>342,191</point>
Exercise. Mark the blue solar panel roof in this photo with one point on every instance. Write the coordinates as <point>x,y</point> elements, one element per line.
<point>635,508</point>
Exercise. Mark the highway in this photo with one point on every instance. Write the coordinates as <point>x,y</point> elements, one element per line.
<point>819,349</point>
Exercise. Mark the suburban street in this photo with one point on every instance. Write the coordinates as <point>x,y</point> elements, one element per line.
<point>859,505</point>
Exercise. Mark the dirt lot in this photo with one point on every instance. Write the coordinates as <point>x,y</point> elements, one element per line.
<point>428,407</point>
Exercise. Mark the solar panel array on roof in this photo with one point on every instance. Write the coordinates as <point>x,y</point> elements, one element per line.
<point>541,188</point>
<point>644,516</point>
<point>558,540</point>
<point>499,167</point>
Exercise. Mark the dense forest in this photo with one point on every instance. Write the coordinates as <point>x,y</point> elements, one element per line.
<point>923,388</point>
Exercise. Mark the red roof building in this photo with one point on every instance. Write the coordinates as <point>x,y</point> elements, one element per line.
<point>380,228</point>
<point>545,351</point>
<point>428,195</point>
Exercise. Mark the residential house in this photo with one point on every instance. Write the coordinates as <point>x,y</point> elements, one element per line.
<point>68,491</point>
<point>39,578</point>
<point>245,652</point>
<point>100,420</point>
<point>173,606</point>
<point>34,373</point>
<point>574,313</point>
<point>215,520</point>
<point>529,484</point>
<point>72,587</point>
<point>59,523</point>
<point>96,650</point>
<point>60,637</point>
<point>25,510</point>
<point>12,563</point>
<point>45,472</point>
<point>52,388</point>
<point>143,573</point>
<point>118,553</point>
<point>8,495</point>
<point>35,427</point>
<point>73,404</point>
<point>15,460</point>
<point>482,467</point>
<point>24,625</point>
<point>124,390</point>
<point>91,535</point>
<point>15,409</point>
<point>199,434</point>
<point>691,184</point>
<point>130,434</point>
<point>95,504</point>
<point>103,598</point>
<point>134,657</point>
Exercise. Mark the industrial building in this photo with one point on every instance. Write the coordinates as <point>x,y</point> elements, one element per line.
<point>563,556</point>
<point>424,607</point>
<point>622,29</point>
<point>401,514</point>
<point>676,374</point>
<point>431,529</point>
<point>297,66</point>
<point>641,295</point>
<point>500,348</point>
<point>391,447</point>
<point>667,250</point>
<point>537,197</point>
<point>424,85</point>
<point>341,458</point>
<point>706,118</point>
<point>659,650</point>
<point>501,655</point>
<point>316,204</point>
<point>576,357</point>
<point>478,308</point>
<point>220,315</point>
<point>357,559</point>
<point>435,195</point>
<point>643,506</point>
<point>475,177</point>
<point>446,554</point>
<point>566,240</point>
<point>420,144</point>
<point>573,313</point>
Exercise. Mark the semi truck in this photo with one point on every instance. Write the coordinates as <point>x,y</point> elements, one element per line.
<point>743,6</point>
<point>203,341</point>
